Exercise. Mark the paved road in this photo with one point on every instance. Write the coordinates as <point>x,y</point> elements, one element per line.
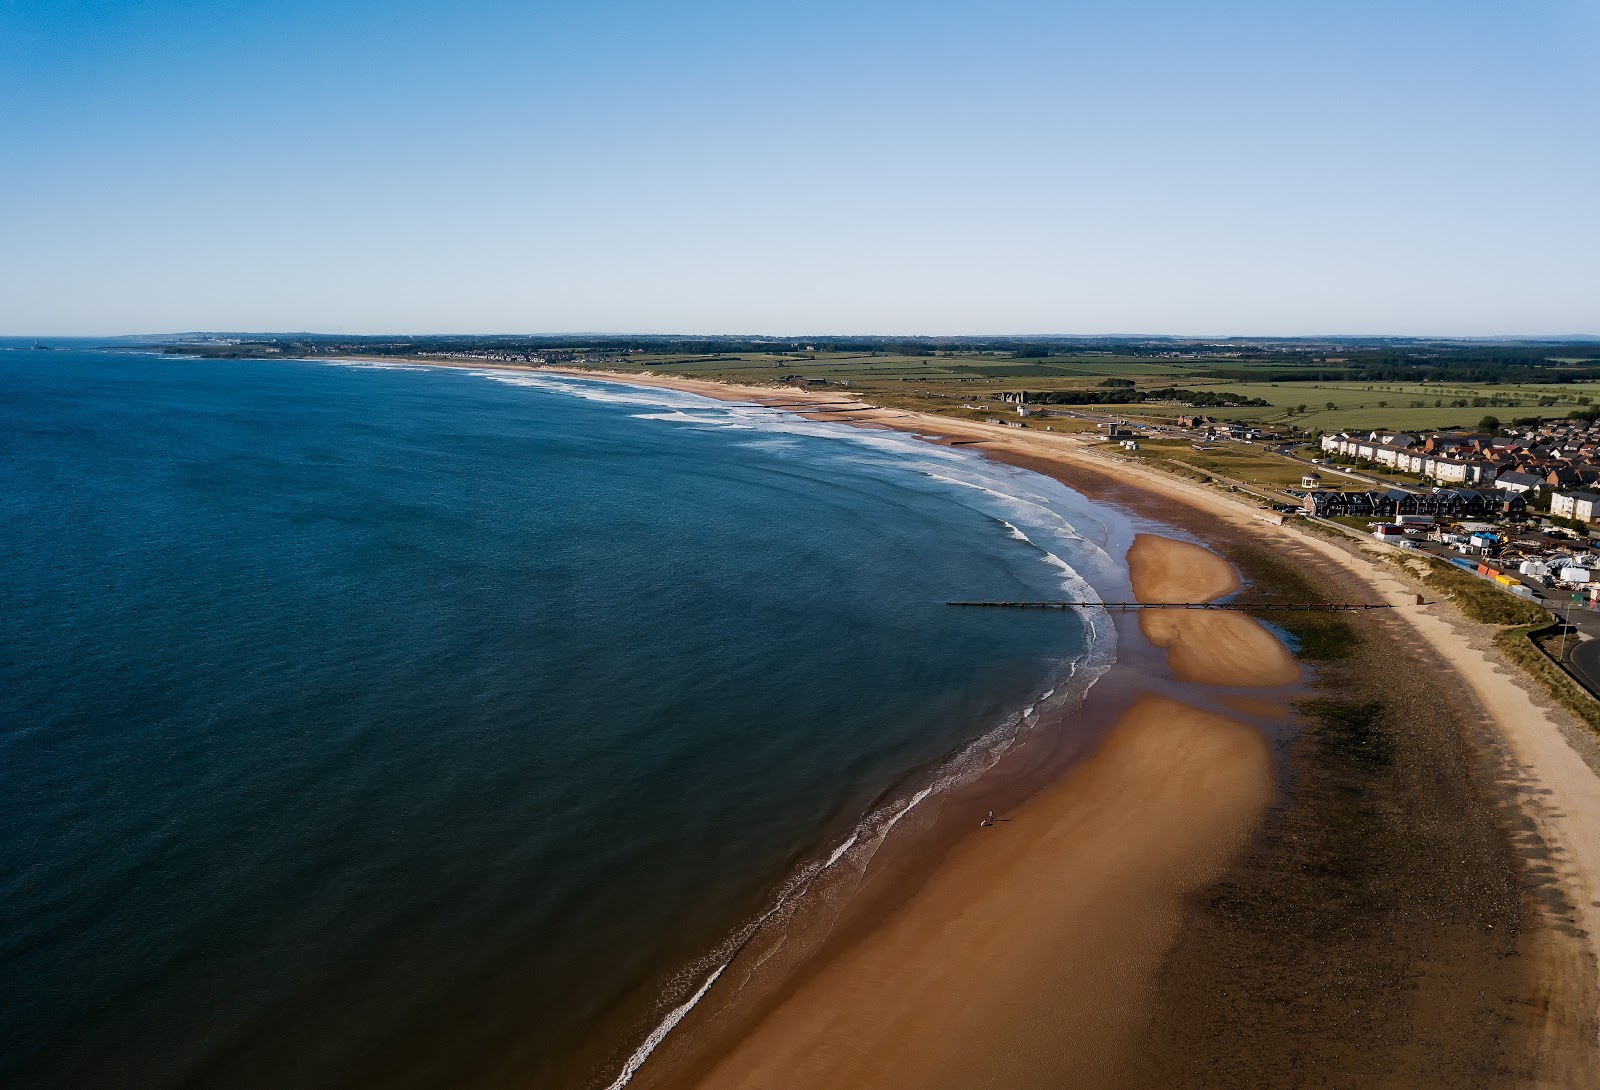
<point>1583,658</point>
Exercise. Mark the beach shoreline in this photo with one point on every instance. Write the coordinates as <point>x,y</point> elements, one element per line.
<point>1150,807</point>
<point>1539,804</point>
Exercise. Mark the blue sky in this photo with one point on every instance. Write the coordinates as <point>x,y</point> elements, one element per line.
<point>1224,167</point>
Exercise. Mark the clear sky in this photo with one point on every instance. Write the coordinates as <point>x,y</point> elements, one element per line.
<point>836,166</point>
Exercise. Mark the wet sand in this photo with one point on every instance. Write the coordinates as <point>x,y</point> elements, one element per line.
<point>1029,957</point>
<point>1409,915</point>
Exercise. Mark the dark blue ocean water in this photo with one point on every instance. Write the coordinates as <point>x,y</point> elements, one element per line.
<point>426,728</point>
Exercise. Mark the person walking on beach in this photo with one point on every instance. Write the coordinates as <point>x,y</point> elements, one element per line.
<point>988,821</point>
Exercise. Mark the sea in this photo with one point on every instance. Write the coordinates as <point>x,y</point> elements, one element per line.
<point>367,724</point>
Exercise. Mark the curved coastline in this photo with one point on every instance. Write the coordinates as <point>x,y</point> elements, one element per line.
<point>820,898</point>
<point>1504,752</point>
<point>824,911</point>
<point>821,891</point>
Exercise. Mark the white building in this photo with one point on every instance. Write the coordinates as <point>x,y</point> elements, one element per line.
<point>1519,482</point>
<point>1400,455</point>
<point>1581,506</point>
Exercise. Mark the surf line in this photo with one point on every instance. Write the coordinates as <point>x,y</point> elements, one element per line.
<point>802,882</point>
<point>678,1013</point>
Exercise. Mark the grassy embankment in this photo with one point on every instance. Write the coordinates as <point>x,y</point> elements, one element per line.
<point>1525,646</point>
<point>1520,622</point>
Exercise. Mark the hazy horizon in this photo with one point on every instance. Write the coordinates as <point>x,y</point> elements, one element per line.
<point>1420,168</point>
<point>813,335</point>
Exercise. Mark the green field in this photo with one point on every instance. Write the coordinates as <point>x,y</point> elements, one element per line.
<point>1247,464</point>
<point>1410,407</point>
<point>946,381</point>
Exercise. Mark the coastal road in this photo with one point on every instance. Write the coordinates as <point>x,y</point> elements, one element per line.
<point>1583,659</point>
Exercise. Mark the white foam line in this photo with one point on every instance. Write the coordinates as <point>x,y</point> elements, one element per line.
<point>1038,504</point>
<point>659,1034</point>
<point>799,886</point>
<point>802,881</point>
<point>838,852</point>
<point>906,809</point>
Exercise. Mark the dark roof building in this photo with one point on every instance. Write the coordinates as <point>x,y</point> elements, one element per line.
<point>1445,503</point>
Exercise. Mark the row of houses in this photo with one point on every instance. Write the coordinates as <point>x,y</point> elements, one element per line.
<point>1558,459</point>
<point>1435,457</point>
<point>1550,456</point>
<point>1446,503</point>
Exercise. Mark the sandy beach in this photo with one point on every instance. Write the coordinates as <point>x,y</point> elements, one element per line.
<point>1416,905</point>
<point>1049,925</point>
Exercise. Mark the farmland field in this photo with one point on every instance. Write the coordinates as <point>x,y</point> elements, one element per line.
<point>1363,405</point>
<point>945,382</point>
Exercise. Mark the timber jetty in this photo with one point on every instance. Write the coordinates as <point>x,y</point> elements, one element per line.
<point>1248,607</point>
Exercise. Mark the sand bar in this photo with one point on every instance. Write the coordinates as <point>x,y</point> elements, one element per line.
<point>1027,959</point>
<point>1211,647</point>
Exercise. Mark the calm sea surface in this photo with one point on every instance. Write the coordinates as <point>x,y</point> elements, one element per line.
<point>431,728</point>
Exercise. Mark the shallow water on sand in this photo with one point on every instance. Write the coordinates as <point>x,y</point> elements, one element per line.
<point>425,727</point>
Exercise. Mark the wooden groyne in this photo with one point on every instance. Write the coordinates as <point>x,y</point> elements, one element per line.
<point>1249,607</point>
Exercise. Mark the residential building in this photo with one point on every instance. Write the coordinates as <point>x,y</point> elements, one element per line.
<point>1581,506</point>
<point>1519,482</point>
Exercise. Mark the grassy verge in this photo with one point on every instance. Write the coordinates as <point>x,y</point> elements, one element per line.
<point>1312,526</point>
<point>1478,599</point>
<point>1520,620</point>
<point>1517,644</point>
<point>1182,471</point>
